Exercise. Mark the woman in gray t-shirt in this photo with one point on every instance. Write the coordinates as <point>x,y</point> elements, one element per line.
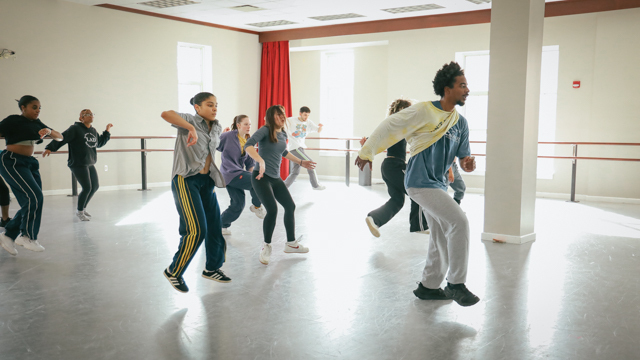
<point>272,144</point>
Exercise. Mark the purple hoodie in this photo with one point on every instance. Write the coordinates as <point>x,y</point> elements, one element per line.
<point>233,162</point>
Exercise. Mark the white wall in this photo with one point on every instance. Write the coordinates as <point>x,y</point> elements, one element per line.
<point>123,67</point>
<point>598,49</point>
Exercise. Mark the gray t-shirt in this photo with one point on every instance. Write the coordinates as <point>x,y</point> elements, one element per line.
<point>271,152</point>
<point>189,161</point>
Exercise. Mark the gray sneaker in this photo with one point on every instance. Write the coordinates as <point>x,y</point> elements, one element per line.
<point>8,244</point>
<point>29,244</point>
<point>82,216</point>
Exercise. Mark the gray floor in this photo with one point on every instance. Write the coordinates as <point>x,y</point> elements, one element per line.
<point>97,292</point>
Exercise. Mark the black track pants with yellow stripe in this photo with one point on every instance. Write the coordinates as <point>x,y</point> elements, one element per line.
<point>199,212</point>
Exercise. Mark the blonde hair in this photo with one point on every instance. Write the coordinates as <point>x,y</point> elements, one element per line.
<point>399,105</point>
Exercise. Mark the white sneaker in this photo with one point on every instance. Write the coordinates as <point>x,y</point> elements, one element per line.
<point>82,216</point>
<point>320,187</point>
<point>86,213</point>
<point>8,244</point>
<point>226,231</point>
<point>375,230</point>
<point>295,247</point>
<point>265,253</point>
<point>29,244</point>
<point>260,212</point>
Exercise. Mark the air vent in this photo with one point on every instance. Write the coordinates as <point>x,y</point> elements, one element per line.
<point>272,23</point>
<point>168,3</point>
<point>479,2</point>
<point>247,8</point>
<point>413,8</point>
<point>336,17</point>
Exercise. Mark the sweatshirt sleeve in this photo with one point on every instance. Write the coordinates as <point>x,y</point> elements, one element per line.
<point>393,129</point>
<point>102,139</point>
<point>223,141</point>
<point>249,162</point>
<point>67,136</point>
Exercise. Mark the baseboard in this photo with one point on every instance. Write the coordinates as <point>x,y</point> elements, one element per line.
<point>509,239</point>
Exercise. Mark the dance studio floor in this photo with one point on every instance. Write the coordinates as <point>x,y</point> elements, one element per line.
<point>98,292</point>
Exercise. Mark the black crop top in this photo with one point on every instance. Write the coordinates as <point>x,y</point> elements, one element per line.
<point>16,128</point>
<point>398,150</point>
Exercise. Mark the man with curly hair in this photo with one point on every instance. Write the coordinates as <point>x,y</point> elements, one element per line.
<point>437,134</point>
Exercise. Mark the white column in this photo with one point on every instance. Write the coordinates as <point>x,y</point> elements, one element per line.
<point>512,124</point>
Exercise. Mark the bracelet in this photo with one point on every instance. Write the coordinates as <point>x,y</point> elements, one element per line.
<point>301,162</point>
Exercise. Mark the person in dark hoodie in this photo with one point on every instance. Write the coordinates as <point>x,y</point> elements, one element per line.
<point>236,169</point>
<point>83,139</point>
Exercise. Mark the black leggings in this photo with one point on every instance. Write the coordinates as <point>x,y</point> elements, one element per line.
<point>269,191</point>
<point>87,176</point>
<point>4,193</point>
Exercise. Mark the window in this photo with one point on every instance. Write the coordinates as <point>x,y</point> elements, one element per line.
<point>194,73</point>
<point>476,69</point>
<point>336,97</point>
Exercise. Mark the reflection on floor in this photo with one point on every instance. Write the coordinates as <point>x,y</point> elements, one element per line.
<point>97,292</point>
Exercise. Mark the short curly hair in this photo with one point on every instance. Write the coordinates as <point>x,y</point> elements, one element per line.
<point>446,77</point>
<point>398,105</point>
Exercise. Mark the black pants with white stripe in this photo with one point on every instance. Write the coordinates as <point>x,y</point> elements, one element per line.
<point>23,176</point>
<point>87,176</point>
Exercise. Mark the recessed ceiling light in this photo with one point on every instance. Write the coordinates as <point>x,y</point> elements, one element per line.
<point>168,3</point>
<point>272,23</point>
<point>247,8</point>
<point>336,17</point>
<point>478,2</point>
<point>413,8</point>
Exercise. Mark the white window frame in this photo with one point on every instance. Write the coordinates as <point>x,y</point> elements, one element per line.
<point>332,126</point>
<point>544,172</point>
<point>205,83</point>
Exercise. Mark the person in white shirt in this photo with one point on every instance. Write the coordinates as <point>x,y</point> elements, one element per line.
<point>297,130</point>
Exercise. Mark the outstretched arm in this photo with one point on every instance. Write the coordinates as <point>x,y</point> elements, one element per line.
<point>307,164</point>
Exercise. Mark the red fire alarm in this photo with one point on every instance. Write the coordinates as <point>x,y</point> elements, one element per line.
<point>576,84</point>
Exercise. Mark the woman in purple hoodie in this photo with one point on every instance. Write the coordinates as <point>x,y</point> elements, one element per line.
<point>236,169</point>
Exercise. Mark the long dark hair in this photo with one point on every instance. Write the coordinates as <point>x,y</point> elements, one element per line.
<point>270,121</point>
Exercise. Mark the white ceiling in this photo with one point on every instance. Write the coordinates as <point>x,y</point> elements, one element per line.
<point>298,11</point>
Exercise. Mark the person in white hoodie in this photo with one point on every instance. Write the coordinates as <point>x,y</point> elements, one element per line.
<point>297,129</point>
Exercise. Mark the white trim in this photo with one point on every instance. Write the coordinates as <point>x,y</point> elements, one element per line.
<point>509,239</point>
<point>109,188</point>
<point>338,46</point>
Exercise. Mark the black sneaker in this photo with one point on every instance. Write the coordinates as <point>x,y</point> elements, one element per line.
<point>177,282</point>
<point>216,275</point>
<point>4,222</point>
<point>460,294</point>
<point>456,200</point>
<point>424,293</point>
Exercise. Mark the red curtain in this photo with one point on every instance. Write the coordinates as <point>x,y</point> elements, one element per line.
<point>275,85</point>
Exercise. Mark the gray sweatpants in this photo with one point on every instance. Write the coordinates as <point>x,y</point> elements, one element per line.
<point>295,169</point>
<point>449,238</point>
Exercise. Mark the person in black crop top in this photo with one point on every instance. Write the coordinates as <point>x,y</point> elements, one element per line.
<point>83,139</point>
<point>21,171</point>
<point>393,168</point>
